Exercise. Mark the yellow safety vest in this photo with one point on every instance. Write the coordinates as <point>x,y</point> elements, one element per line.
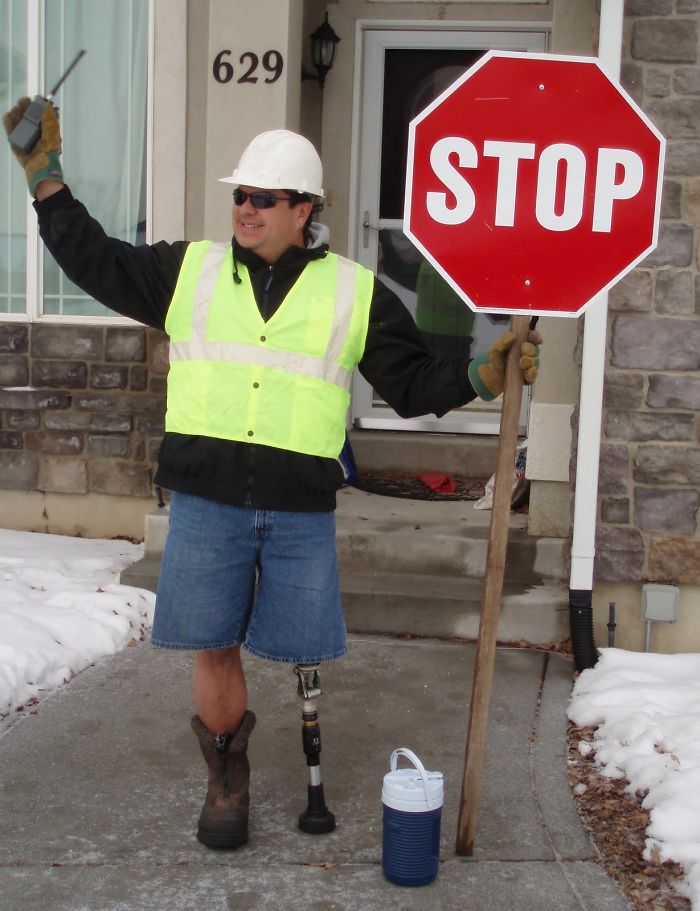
<point>282,383</point>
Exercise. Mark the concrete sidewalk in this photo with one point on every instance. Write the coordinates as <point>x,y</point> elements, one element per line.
<point>102,788</point>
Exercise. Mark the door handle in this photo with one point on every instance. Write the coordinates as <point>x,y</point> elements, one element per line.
<point>366,226</point>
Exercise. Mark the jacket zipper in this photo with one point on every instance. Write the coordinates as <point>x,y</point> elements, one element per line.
<point>249,488</point>
<point>267,286</point>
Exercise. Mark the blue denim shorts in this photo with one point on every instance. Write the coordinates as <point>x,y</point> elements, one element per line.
<point>267,580</point>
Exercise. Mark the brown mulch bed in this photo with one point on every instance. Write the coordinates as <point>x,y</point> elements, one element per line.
<point>406,486</point>
<point>617,824</point>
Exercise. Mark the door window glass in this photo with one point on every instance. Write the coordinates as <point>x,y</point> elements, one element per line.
<point>412,79</point>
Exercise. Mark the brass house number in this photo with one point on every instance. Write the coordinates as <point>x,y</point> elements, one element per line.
<point>272,65</point>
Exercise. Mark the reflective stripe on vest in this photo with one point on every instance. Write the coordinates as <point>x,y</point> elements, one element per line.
<point>294,361</point>
<point>327,368</point>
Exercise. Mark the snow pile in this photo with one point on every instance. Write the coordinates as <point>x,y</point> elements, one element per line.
<point>647,711</point>
<point>61,608</point>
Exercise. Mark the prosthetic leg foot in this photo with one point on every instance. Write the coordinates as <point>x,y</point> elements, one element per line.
<point>316,819</point>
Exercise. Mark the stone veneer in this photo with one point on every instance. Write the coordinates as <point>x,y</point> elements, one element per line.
<point>649,490</point>
<point>81,408</point>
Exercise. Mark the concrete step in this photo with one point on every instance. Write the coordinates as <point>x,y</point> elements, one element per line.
<point>143,574</point>
<point>419,553</point>
<point>413,567</point>
<point>468,456</point>
<point>390,534</point>
<point>439,606</point>
<point>447,607</point>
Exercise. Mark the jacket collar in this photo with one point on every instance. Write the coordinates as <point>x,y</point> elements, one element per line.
<point>293,258</point>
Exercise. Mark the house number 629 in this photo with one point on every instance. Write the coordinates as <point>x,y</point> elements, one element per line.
<point>272,63</point>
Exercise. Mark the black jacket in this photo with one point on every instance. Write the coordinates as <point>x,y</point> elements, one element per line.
<point>138,282</point>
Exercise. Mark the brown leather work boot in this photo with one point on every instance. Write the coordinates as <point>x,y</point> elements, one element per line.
<point>223,822</point>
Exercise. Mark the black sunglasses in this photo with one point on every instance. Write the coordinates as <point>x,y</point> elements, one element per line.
<point>261,199</point>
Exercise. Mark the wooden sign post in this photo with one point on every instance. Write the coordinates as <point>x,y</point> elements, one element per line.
<point>493,588</point>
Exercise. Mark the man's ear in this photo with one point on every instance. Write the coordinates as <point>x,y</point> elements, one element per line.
<point>304,209</point>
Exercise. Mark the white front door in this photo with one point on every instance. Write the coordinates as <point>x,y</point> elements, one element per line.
<point>403,70</point>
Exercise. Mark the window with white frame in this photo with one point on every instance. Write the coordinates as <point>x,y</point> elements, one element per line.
<point>103,114</point>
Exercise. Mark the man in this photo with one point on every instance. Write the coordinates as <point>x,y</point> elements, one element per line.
<point>265,333</point>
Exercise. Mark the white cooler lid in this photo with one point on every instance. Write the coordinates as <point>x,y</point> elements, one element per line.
<point>412,790</point>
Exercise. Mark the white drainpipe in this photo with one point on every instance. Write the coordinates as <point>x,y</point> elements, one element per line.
<point>591,399</point>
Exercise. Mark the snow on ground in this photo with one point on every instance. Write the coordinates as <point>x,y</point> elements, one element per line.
<point>646,708</point>
<point>62,608</point>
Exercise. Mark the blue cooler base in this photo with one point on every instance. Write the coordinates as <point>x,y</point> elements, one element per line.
<point>411,846</point>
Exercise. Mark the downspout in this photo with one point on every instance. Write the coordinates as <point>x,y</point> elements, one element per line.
<point>590,410</point>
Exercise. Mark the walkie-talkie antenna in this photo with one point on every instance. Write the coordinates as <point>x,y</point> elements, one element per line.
<point>65,75</point>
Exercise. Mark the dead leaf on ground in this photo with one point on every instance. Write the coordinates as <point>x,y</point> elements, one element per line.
<point>617,824</point>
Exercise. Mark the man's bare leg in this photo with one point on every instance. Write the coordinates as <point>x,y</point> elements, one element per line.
<point>219,689</point>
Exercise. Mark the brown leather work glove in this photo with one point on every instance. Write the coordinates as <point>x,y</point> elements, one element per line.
<point>487,372</point>
<point>43,161</point>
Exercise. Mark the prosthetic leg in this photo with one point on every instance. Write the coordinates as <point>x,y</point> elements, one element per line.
<point>317,819</point>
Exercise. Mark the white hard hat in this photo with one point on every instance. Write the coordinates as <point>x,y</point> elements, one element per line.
<point>280,160</point>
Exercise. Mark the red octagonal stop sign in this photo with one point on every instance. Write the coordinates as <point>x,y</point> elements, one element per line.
<point>533,183</point>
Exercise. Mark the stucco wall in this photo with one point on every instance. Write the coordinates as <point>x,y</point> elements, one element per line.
<point>225,115</point>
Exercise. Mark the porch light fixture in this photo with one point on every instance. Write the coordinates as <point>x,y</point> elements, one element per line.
<point>323,44</point>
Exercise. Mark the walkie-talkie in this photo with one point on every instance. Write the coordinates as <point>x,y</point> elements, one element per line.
<point>27,132</point>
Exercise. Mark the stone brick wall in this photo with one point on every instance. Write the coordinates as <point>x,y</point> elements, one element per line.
<point>81,408</point>
<point>649,490</point>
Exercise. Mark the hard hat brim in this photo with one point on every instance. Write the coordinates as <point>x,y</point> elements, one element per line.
<point>237,181</point>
